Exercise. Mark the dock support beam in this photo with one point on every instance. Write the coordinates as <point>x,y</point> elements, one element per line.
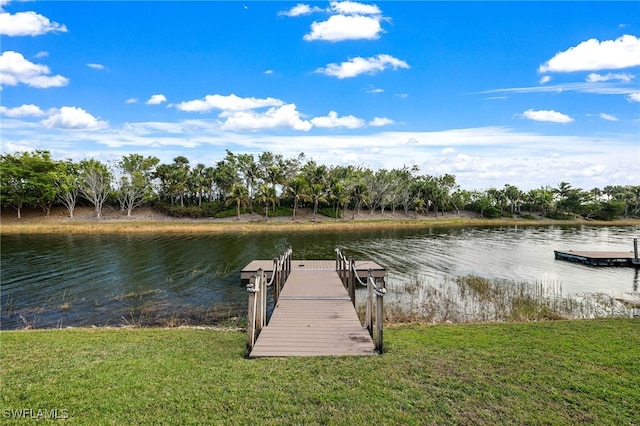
<point>635,252</point>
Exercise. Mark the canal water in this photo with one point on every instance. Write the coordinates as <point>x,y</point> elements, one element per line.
<point>83,280</point>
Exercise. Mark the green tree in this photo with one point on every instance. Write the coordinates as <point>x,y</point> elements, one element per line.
<point>240,196</point>
<point>135,187</point>
<point>95,183</point>
<point>28,179</point>
<point>360,196</point>
<point>267,195</point>
<point>68,184</point>
<point>297,189</point>
<point>339,195</point>
<point>317,194</point>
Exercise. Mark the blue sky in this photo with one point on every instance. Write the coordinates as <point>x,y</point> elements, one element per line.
<point>525,93</point>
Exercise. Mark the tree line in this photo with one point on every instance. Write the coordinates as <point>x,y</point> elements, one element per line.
<point>271,184</point>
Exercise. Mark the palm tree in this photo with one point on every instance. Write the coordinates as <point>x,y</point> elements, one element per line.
<point>339,196</point>
<point>360,196</point>
<point>266,195</point>
<point>297,189</point>
<point>240,196</point>
<point>317,193</point>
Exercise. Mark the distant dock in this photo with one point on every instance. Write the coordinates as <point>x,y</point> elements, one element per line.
<point>602,258</point>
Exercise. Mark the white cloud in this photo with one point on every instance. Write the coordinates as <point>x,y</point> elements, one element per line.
<point>14,69</point>
<point>332,120</point>
<point>41,54</point>
<point>73,118</point>
<point>547,115</point>
<point>27,24</point>
<point>300,10</point>
<point>227,103</point>
<point>608,117</point>
<point>358,65</point>
<point>131,101</point>
<point>447,151</point>
<point>600,88</point>
<point>268,72</point>
<point>634,97</point>
<point>593,55</point>
<point>402,95</point>
<point>595,77</point>
<point>381,121</point>
<point>286,116</point>
<point>341,27</point>
<point>372,89</point>
<point>156,99</point>
<point>96,66</point>
<point>545,79</point>
<point>29,110</point>
<point>355,8</point>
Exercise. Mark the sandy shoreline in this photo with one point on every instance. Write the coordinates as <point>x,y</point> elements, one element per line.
<point>147,220</point>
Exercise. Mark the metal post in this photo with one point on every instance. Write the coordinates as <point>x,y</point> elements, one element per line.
<point>352,281</point>
<point>251,315</point>
<point>368,317</point>
<point>276,280</point>
<point>259,300</point>
<point>379,316</point>
<point>635,251</point>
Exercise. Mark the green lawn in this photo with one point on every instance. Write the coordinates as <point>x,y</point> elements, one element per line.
<point>563,372</point>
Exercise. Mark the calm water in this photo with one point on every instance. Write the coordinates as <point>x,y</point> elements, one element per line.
<point>79,280</point>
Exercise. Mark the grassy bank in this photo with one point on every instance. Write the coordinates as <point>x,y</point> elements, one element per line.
<point>203,226</point>
<point>563,372</point>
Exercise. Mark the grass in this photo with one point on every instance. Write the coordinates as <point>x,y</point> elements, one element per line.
<point>324,224</point>
<point>560,372</point>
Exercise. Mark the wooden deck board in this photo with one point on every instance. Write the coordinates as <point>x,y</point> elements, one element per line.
<point>314,316</point>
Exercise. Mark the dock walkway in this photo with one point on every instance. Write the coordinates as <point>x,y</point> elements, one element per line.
<point>314,314</point>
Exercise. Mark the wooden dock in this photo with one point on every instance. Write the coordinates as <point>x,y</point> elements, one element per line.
<point>602,258</point>
<point>314,314</point>
<point>598,258</point>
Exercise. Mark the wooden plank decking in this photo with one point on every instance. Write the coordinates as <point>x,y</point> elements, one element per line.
<point>313,316</point>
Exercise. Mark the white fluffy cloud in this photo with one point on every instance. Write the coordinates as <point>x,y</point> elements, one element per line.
<point>634,97</point>
<point>29,110</point>
<point>286,116</point>
<point>131,101</point>
<point>350,21</point>
<point>547,115</point>
<point>358,65</point>
<point>227,103</point>
<point>341,27</point>
<point>73,118</point>
<point>593,55</point>
<point>381,121</point>
<point>300,10</point>
<point>15,69</point>
<point>596,78</point>
<point>332,120</point>
<point>27,24</point>
<point>355,8</point>
<point>156,99</point>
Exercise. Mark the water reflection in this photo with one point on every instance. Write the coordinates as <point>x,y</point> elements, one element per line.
<point>52,280</point>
